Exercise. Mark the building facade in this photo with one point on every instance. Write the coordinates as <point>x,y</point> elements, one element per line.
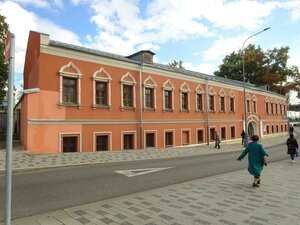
<point>83,100</point>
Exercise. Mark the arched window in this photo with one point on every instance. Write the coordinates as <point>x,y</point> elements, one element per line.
<point>69,86</point>
<point>254,104</point>
<point>101,89</point>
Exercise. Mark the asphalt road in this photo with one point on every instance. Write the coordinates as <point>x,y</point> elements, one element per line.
<point>52,189</point>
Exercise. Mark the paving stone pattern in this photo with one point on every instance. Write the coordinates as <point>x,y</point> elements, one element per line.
<point>226,199</point>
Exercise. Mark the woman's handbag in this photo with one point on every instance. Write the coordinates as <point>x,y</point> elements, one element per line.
<point>297,153</point>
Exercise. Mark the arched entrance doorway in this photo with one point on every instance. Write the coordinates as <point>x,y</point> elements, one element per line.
<point>252,128</point>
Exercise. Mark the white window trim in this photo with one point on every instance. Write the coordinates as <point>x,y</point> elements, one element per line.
<point>181,134</point>
<point>60,139</point>
<point>197,140</point>
<point>134,139</point>
<point>184,88</point>
<point>108,133</point>
<point>107,80</point>
<point>248,98</point>
<point>131,83</point>
<point>254,102</point>
<point>150,132</point>
<point>169,130</point>
<point>77,76</point>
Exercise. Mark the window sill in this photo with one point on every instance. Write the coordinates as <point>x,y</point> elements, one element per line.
<point>168,110</point>
<point>199,111</point>
<point>150,109</point>
<point>127,108</point>
<point>185,110</point>
<point>60,105</point>
<point>101,107</point>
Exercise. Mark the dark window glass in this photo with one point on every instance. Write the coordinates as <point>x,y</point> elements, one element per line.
<point>232,132</point>
<point>222,100</point>
<point>199,102</point>
<point>267,107</point>
<point>169,139</point>
<point>150,140</point>
<point>101,93</point>
<point>128,141</point>
<point>102,143</point>
<point>248,105</point>
<point>168,99</point>
<point>254,106</point>
<point>200,136</point>
<point>128,95</point>
<point>69,144</point>
<point>211,103</point>
<point>231,104</point>
<point>69,91</point>
<point>149,95</point>
<point>223,133</point>
<point>184,100</point>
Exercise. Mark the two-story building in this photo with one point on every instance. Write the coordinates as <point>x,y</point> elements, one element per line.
<point>90,100</point>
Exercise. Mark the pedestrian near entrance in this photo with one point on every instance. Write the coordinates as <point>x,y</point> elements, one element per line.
<point>256,160</point>
<point>291,129</point>
<point>243,137</point>
<point>217,140</point>
<point>292,146</point>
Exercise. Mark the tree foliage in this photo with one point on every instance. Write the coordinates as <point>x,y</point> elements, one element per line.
<point>262,68</point>
<point>3,65</point>
<point>177,64</point>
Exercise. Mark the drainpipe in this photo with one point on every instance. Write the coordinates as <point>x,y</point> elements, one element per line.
<point>206,114</point>
<point>141,105</point>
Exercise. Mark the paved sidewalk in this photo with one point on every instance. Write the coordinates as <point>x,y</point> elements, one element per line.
<point>23,161</point>
<point>222,199</point>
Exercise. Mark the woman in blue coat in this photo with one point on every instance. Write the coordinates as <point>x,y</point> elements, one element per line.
<point>256,162</point>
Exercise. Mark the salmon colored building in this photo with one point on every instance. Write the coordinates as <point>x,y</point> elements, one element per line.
<point>81,99</point>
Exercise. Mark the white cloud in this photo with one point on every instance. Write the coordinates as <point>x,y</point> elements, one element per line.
<point>25,21</point>
<point>293,6</point>
<point>207,68</point>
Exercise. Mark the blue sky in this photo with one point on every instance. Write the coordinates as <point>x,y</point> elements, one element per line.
<point>198,32</point>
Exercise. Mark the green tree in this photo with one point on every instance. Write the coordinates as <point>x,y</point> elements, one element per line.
<point>177,64</point>
<point>3,65</point>
<point>262,68</point>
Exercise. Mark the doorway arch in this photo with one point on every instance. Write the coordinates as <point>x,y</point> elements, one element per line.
<point>252,128</point>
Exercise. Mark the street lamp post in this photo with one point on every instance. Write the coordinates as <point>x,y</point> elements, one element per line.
<point>246,140</point>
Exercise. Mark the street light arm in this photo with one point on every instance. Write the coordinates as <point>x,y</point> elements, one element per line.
<point>253,36</point>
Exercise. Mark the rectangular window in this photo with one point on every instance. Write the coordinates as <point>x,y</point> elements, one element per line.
<point>280,109</point>
<point>267,107</point>
<point>248,105</point>
<point>212,103</point>
<point>223,133</point>
<point>69,90</point>
<point>276,109</point>
<point>150,140</point>
<point>200,136</point>
<point>127,95</point>
<point>184,101</point>
<point>199,102</point>
<point>272,108</point>
<point>185,137</point>
<point>168,99</point>
<point>102,143</point>
<point>212,134</point>
<point>272,127</point>
<point>268,131</point>
<point>231,104</point>
<point>169,139</point>
<point>254,107</point>
<point>222,104</point>
<point>277,128</point>
<point>149,97</point>
<point>128,141</point>
<point>101,93</point>
<point>70,144</point>
<point>281,128</point>
<point>232,132</point>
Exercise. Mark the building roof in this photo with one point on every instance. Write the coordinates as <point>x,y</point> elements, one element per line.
<point>161,66</point>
